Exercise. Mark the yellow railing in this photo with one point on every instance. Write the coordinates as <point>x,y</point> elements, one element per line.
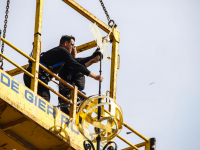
<point>43,67</point>
<point>146,143</point>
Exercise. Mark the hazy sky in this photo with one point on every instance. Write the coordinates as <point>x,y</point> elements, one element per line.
<point>158,83</point>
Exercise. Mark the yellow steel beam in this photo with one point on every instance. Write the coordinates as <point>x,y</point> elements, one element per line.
<point>17,143</point>
<point>87,46</point>
<point>37,45</point>
<point>24,70</point>
<point>13,123</point>
<point>114,64</point>
<point>17,49</point>
<point>138,145</point>
<point>138,134</point>
<point>127,142</point>
<point>16,71</point>
<point>2,108</point>
<point>92,18</point>
<point>87,15</point>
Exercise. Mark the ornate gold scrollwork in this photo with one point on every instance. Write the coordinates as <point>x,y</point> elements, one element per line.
<point>110,124</point>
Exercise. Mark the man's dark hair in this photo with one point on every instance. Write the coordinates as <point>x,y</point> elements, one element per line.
<point>65,38</point>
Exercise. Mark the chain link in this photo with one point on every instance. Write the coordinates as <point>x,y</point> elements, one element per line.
<point>111,23</point>
<point>104,8</point>
<point>4,32</point>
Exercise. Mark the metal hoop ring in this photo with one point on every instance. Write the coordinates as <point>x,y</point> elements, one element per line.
<point>111,23</point>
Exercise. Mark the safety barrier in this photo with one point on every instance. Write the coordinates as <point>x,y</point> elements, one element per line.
<point>44,68</point>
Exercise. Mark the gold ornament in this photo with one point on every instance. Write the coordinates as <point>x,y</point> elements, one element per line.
<point>110,123</point>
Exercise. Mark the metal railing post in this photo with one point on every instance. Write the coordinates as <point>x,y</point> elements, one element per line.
<point>114,63</point>
<point>74,95</point>
<point>151,144</point>
<point>37,45</point>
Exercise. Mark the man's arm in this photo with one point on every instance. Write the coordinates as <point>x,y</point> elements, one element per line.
<point>94,60</point>
<point>77,66</point>
<point>96,77</point>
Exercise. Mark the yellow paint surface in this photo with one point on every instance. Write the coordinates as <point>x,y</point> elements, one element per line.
<point>44,124</point>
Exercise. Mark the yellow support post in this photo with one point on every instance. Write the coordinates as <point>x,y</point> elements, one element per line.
<point>48,87</point>
<point>73,105</point>
<point>151,144</point>
<point>37,45</point>
<point>114,63</point>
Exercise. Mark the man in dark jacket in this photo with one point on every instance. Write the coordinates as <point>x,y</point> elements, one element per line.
<point>74,77</point>
<point>59,55</point>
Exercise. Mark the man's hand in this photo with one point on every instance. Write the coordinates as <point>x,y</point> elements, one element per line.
<point>99,78</point>
<point>74,52</point>
<point>96,77</point>
<point>95,59</point>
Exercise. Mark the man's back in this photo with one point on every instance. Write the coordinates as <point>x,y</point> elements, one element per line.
<point>60,54</point>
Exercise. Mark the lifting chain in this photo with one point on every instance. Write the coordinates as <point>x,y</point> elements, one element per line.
<point>110,22</point>
<point>4,33</point>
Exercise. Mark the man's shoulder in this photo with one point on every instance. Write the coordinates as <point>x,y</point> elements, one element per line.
<point>58,48</point>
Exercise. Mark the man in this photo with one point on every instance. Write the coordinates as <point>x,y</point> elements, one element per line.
<point>74,77</point>
<point>56,58</point>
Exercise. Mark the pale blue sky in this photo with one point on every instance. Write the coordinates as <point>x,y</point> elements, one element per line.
<point>159,43</point>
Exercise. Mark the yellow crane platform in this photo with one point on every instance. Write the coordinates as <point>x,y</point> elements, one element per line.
<point>27,121</point>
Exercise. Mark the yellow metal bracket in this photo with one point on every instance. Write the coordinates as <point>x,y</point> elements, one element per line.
<point>116,35</point>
